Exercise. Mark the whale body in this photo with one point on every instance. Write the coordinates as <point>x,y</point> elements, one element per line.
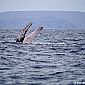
<point>29,38</point>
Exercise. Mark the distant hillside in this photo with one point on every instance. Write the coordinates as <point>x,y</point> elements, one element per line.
<point>49,19</point>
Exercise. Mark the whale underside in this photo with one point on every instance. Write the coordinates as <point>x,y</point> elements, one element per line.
<point>29,38</point>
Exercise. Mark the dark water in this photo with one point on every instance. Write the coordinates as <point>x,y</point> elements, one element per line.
<point>56,57</point>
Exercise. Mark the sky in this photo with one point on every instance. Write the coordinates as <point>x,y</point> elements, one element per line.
<point>39,5</point>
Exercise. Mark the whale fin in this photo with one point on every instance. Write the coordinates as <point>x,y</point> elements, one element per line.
<point>29,38</point>
<point>21,35</point>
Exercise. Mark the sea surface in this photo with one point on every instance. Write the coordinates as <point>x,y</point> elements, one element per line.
<point>55,57</point>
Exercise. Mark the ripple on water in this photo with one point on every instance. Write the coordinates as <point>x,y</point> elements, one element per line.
<point>56,57</point>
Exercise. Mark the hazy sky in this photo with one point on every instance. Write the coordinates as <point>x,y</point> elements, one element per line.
<point>50,5</point>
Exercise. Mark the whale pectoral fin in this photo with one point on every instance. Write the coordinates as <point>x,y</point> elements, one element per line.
<point>21,35</point>
<point>27,26</point>
<point>28,39</point>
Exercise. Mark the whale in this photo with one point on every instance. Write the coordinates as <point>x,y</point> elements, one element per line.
<point>29,38</point>
<point>23,38</point>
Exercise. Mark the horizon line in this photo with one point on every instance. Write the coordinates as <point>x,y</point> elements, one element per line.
<point>41,11</point>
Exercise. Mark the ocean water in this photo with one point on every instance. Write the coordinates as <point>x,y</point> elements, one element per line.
<point>55,57</point>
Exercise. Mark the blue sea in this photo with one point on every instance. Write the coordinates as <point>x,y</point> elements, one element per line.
<point>55,57</point>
